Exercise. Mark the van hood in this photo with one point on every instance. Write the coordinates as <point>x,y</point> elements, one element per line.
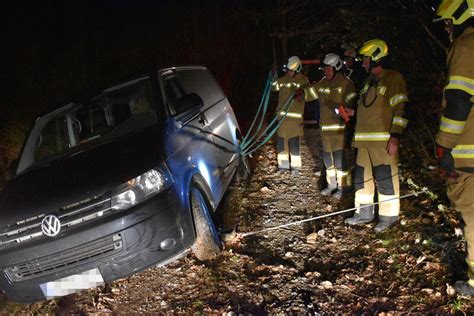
<point>80,175</point>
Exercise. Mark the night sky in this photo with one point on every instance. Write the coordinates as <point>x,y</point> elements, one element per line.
<point>62,48</point>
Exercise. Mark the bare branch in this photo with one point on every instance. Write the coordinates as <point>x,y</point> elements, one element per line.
<point>435,39</point>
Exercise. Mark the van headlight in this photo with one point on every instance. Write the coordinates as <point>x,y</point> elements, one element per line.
<point>139,189</point>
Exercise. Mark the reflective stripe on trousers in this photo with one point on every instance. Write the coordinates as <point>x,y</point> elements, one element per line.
<point>288,153</point>
<point>288,143</point>
<point>336,169</point>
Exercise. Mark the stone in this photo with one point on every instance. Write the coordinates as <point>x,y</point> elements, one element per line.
<point>311,238</point>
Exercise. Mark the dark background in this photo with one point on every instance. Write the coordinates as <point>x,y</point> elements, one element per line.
<point>62,48</point>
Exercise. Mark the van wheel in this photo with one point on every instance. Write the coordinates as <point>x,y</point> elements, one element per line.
<point>207,244</point>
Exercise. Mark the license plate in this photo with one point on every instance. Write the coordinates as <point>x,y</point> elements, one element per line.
<point>72,284</point>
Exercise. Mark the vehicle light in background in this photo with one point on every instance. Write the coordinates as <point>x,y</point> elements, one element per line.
<point>139,189</point>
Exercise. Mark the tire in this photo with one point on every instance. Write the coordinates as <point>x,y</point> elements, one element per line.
<point>207,244</point>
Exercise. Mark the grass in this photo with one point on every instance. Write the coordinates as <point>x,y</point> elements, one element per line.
<point>457,306</point>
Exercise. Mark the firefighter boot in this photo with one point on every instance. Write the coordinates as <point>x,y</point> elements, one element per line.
<point>365,215</point>
<point>385,222</point>
<point>328,191</point>
<point>342,190</point>
<point>465,288</point>
<point>332,184</point>
<point>295,172</point>
<point>338,194</point>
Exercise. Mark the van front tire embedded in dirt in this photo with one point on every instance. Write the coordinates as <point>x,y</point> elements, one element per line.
<point>207,243</point>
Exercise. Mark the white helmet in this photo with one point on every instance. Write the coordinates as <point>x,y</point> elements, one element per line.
<point>294,63</point>
<point>333,60</point>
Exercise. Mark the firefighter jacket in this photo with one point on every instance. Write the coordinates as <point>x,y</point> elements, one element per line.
<point>456,129</point>
<point>380,110</point>
<point>331,94</point>
<point>286,85</point>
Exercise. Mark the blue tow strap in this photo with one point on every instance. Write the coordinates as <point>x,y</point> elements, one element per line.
<point>250,148</point>
<point>263,106</point>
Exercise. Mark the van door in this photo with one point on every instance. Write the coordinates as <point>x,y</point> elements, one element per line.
<point>189,140</point>
<point>217,112</point>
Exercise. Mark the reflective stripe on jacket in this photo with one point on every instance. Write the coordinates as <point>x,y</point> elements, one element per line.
<point>331,94</point>
<point>285,86</point>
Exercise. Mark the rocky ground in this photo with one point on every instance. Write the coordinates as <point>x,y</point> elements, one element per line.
<point>322,266</point>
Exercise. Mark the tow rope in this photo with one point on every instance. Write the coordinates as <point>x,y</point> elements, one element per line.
<point>252,140</point>
<point>262,107</point>
<point>271,129</point>
<point>242,235</point>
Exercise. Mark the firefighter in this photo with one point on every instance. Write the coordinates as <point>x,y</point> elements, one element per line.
<point>455,138</point>
<point>380,123</point>
<point>290,131</point>
<point>354,71</point>
<point>352,68</point>
<point>333,90</point>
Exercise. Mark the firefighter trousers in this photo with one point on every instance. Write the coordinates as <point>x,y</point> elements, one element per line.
<point>288,144</point>
<point>335,161</point>
<point>376,166</point>
<point>461,195</point>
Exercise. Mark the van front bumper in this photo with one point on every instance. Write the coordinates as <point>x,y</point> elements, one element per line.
<point>148,234</point>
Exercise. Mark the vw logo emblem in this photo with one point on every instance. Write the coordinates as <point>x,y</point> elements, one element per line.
<point>51,226</point>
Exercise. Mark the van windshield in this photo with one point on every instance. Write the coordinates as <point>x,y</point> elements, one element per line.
<point>117,111</point>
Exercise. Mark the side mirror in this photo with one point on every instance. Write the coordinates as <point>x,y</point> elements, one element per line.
<point>189,102</point>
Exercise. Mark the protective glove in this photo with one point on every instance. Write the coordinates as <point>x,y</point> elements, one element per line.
<point>446,163</point>
<point>299,95</point>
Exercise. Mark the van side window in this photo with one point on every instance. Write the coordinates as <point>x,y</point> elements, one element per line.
<point>201,82</point>
<point>173,92</point>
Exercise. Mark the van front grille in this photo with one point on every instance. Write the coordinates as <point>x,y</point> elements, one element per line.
<point>66,259</point>
<point>70,215</point>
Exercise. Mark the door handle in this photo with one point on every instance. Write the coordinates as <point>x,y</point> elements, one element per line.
<point>202,119</point>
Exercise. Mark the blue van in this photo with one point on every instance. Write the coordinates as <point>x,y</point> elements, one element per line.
<point>118,181</point>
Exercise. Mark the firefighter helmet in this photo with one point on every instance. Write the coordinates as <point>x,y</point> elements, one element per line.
<point>458,11</point>
<point>333,60</point>
<point>376,49</point>
<point>294,63</point>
